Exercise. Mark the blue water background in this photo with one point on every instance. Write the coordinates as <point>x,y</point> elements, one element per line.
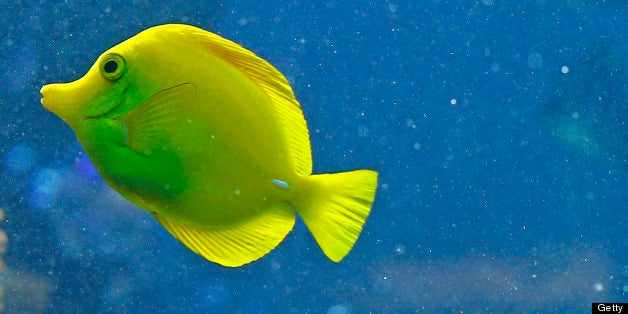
<point>498,128</point>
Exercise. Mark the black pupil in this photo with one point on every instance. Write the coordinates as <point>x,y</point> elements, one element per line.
<point>111,66</point>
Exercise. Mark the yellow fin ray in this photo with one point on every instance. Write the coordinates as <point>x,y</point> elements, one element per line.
<point>236,244</point>
<point>336,209</point>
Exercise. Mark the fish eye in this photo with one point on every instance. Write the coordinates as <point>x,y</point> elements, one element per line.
<point>112,66</point>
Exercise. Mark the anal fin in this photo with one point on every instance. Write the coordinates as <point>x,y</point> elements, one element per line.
<point>236,244</point>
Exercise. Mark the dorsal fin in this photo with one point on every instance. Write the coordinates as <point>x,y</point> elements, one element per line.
<point>269,79</point>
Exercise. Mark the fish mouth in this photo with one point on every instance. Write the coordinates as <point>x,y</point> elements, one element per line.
<point>45,101</point>
<point>54,98</point>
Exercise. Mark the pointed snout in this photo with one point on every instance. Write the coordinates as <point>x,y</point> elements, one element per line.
<point>58,98</point>
<point>46,95</point>
<point>70,100</point>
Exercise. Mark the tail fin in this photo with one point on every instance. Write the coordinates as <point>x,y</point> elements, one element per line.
<point>335,206</point>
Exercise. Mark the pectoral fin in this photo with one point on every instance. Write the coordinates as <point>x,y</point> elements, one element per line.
<point>149,125</point>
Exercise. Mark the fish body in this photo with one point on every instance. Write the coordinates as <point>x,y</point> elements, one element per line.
<point>211,140</point>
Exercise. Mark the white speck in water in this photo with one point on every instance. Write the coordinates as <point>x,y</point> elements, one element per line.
<point>453,101</point>
<point>400,249</point>
<point>598,286</point>
<point>564,69</point>
<point>575,115</point>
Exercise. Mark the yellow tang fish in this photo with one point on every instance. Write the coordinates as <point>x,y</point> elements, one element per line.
<point>209,138</point>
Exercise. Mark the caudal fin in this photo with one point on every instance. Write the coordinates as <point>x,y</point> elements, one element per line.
<point>335,206</point>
